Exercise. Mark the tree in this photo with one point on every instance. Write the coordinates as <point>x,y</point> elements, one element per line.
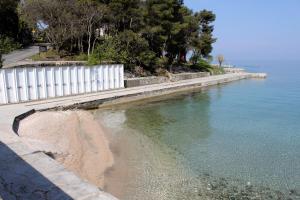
<point>52,17</point>
<point>13,31</point>
<point>220,59</point>
<point>9,20</point>
<point>202,40</point>
<point>91,15</point>
<point>125,15</point>
<point>67,23</point>
<point>145,33</point>
<point>163,26</point>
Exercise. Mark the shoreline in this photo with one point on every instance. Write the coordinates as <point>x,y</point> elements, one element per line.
<point>72,138</point>
<point>91,101</point>
<point>147,169</point>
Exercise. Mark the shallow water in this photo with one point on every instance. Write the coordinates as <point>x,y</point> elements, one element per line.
<point>219,140</point>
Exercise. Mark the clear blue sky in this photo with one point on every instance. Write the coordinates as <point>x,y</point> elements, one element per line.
<point>254,29</point>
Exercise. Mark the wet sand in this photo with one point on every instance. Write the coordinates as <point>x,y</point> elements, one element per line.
<point>74,139</point>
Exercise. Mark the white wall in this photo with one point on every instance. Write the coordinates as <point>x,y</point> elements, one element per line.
<point>34,83</point>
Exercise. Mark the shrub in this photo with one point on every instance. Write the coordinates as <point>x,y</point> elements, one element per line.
<point>108,51</point>
<point>128,48</point>
<point>216,70</point>
<point>7,44</point>
<point>81,57</point>
<point>201,65</point>
<point>1,61</point>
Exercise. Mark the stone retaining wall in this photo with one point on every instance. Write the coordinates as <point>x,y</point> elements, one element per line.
<point>135,82</point>
<point>185,76</point>
<point>233,70</point>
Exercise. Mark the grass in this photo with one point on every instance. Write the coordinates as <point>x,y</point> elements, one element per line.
<point>216,70</point>
<point>52,55</point>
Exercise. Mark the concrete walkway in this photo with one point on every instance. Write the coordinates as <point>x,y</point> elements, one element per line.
<point>16,56</point>
<point>33,174</point>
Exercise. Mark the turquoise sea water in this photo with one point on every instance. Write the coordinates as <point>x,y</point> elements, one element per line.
<point>247,130</point>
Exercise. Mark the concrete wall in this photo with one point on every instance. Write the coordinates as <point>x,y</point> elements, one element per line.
<point>35,83</point>
<point>233,70</point>
<point>135,82</point>
<point>185,76</point>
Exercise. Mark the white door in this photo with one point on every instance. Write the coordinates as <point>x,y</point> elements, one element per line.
<point>87,79</point>
<point>40,83</point>
<point>10,86</point>
<point>49,82</point>
<point>94,78</point>
<point>65,80</point>
<point>116,76</point>
<point>57,82</point>
<point>111,77</point>
<point>74,81</point>
<point>100,81</point>
<point>31,84</point>
<point>106,77</point>
<point>21,84</point>
<point>80,77</point>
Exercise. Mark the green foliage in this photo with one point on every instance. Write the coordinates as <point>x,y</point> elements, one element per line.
<point>108,51</point>
<point>204,65</point>
<point>1,60</point>
<point>13,30</point>
<point>81,57</point>
<point>127,47</point>
<point>201,65</point>
<point>8,44</point>
<point>125,15</point>
<point>216,70</point>
<point>9,20</point>
<point>150,34</point>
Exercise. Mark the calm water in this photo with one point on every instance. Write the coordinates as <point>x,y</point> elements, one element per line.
<point>247,131</point>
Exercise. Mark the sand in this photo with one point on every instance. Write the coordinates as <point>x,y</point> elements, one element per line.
<point>74,139</point>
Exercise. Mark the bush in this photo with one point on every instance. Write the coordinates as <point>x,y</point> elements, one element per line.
<point>1,61</point>
<point>201,65</point>
<point>216,70</point>
<point>108,51</point>
<point>8,44</point>
<point>81,57</point>
<point>128,48</point>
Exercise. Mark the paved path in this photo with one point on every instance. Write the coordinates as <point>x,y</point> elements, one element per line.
<point>33,174</point>
<point>19,55</point>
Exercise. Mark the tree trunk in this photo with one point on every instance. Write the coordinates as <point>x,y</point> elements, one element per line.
<point>93,47</point>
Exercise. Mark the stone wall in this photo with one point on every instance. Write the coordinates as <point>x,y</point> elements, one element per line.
<point>233,70</point>
<point>185,76</point>
<point>135,82</point>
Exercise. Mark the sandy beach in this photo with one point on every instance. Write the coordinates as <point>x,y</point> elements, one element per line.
<point>74,139</point>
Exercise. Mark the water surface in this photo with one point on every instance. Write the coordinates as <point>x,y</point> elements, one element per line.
<point>241,134</point>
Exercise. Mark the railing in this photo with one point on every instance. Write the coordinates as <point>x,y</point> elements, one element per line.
<point>34,83</point>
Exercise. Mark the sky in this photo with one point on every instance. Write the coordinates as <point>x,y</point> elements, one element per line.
<point>254,29</point>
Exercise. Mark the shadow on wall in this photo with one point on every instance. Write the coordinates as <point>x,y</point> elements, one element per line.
<point>19,180</point>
